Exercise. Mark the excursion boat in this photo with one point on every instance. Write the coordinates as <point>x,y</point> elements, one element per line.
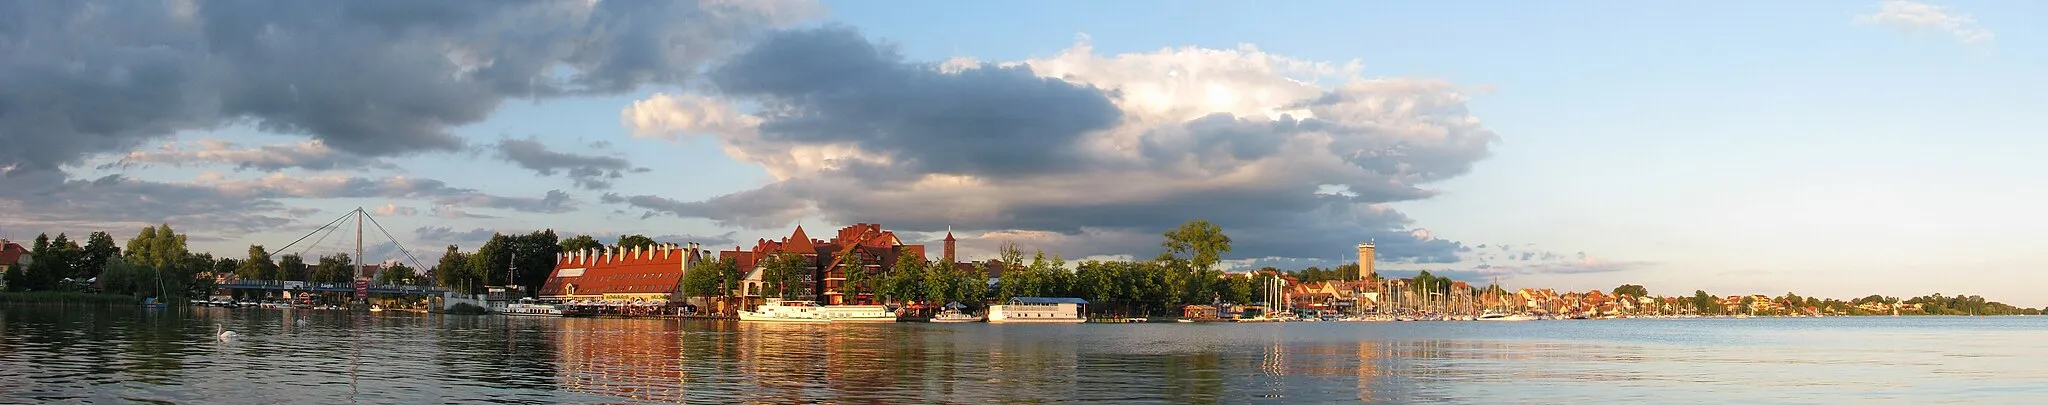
<point>857,313</point>
<point>786,311</point>
<point>1500,317</point>
<point>1038,310</point>
<point>527,307</point>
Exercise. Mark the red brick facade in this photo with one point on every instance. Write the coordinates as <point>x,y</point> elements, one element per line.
<point>829,259</point>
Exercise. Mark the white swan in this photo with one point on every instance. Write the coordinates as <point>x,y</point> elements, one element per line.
<point>303,322</point>
<point>224,334</point>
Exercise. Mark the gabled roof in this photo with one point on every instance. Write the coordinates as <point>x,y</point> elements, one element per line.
<point>1048,300</point>
<point>11,253</point>
<point>799,243</point>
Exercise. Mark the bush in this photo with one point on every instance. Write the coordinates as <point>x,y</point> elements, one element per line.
<point>464,308</point>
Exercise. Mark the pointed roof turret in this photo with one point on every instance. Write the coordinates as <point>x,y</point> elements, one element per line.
<point>799,242</point>
<point>949,233</point>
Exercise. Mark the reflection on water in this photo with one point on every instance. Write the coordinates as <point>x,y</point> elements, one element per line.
<point>57,354</point>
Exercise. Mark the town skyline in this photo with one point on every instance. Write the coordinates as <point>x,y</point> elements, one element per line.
<point>1830,148</point>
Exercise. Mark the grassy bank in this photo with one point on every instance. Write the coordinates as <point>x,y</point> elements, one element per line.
<point>59,297</point>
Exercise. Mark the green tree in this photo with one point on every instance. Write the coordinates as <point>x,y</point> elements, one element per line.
<point>54,260</point>
<point>1705,304</point>
<point>398,274</point>
<point>580,242</point>
<point>787,276</point>
<point>453,271</point>
<point>334,268</point>
<point>258,266</point>
<point>703,278</point>
<point>1631,290</point>
<point>1240,290</point>
<point>904,281</point>
<point>157,247</point>
<point>98,249</point>
<point>855,269</point>
<point>292,267</point>
<point>1199,242</point>
<point>635,240</point>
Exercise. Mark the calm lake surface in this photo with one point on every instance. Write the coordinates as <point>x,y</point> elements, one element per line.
<point>58,354</point>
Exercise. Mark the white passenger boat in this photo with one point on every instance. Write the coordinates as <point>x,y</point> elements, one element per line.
<point>857,313</point>
<point>527,307</point>
<point>785,311</point>
<point>1038,310</point>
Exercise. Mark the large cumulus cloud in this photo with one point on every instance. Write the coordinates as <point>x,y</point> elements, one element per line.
<point>372,78</point>
<point>1089,153</point>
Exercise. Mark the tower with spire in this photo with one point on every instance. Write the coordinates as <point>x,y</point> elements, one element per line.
<point>949,245</point>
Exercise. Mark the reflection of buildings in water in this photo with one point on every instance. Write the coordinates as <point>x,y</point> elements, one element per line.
<point>782,361</point>
<point>637,359</point>
<point>1027,366</point>
<point>858,358</point>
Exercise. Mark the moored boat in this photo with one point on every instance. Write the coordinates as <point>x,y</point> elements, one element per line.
<point>1038,310</point>
<point>527,307</point>
<point>785,311</point>
<point>857,313</point>
<point>955,313</point>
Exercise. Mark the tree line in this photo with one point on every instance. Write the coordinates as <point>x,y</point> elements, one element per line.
<point>155,263</point>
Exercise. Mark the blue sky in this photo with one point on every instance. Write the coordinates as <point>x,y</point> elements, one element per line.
<point>1827,148</point>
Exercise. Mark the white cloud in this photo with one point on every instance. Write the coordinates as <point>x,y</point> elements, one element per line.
<point>1908,17</point>
<point>1081,152</point>
<point>309,154</point>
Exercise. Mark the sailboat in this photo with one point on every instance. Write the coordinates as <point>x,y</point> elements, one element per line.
<point>152,302</point>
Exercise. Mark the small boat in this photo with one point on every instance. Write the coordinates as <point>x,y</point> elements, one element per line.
<point>785,311</point>
<point>374,308</point>
<point>955,313</point>
<point>152,303</point>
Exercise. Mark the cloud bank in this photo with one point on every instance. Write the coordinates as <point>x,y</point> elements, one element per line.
<point>1086,153</point>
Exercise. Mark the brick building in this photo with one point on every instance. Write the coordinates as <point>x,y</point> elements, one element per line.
<point>829,260</point>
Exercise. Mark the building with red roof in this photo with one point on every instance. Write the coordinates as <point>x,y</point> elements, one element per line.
<point>829,260</point>
<point>651,275</point>
<point>13,257</point>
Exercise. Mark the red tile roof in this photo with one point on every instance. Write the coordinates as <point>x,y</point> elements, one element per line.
<point>11,253</point>
<point>628,272</point>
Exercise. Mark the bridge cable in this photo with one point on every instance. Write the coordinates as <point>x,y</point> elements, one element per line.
<point>394,242</point>
<point>309,234</point>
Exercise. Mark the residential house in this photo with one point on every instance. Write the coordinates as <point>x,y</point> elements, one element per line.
<point>12,257</point>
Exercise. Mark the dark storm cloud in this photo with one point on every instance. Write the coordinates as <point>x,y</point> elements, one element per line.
<point>1100,159</point>
<point>310,155</point>
<point>588,171</point>
<point>373,78</point>
<point>831,85</point>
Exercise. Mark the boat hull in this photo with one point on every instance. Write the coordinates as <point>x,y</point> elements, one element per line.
<point>751,317</point>
<point>1037,320</point>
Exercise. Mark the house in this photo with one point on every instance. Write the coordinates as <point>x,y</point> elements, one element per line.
<point>615,277</point>
<point>861,247</point>
<point>13,257</point>
<point>1199,312</point>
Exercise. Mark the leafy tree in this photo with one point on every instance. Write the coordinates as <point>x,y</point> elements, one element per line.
<point>703,278</point>
<point>453,271</point>
<point>580,242</point>
<point>54,261</point>
<point>398,274</point>
<point>855,268</point>
<point>635,240</point>
<point>1703,303</point>
<point>292,267</point>
<point>1240,290</point>
<point>225,266</point>
<point>905,280</point>
<point>532,255</point>
<point>787,276</point>
<point>98,249</point>
<point>1199,242</point>
<point>257,266</point>
<point>157,247</point>
<point>193,278</point>
<point>1631,290</point>
<point>334,268</point>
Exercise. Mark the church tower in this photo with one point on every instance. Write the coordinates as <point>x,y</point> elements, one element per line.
<point>949,246</point>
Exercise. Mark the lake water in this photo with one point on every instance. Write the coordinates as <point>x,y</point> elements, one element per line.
<point>56,354</point>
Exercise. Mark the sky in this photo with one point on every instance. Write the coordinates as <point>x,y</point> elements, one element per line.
<point>1830,148</point>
